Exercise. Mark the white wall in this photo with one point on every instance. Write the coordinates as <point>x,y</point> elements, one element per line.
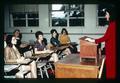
<point>90,28</point>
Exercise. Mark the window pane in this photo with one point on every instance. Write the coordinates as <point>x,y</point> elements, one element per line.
<point>32,15</point>
<point>58,7</point>
<point>18,15</point>
<point>33,23</point>
<point>59,22</point>
<point>102,21</point>
<point>74,7</point>
<point>59,14</point>
<point>76,22</point>
<point>76,13</point>
<point>17,23</point>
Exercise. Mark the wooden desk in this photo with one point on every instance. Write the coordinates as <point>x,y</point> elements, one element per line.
<point>42,55</point>
<point>25,62</point>
<point>71,67</point>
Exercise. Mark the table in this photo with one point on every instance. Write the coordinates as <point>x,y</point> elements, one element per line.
<point>71,67</point>
<point>25,62</point>
<point>42,55</point>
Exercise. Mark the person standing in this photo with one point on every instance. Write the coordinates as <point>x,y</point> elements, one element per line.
<point>110,43</point>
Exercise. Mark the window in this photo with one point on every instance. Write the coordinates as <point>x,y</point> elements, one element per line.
<point>24,19</point>
<point>101,15</point>
<point>67,15</point>
<point>76,15</point>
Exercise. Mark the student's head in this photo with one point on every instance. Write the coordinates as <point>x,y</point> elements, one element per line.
<point>5,36</point>
<point>16,32</point>
<point>11,40</point>
<point>39,35</point>
<point>54,33</point>
<point>64,31</point>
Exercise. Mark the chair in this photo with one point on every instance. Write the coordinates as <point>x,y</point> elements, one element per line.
<point>42,67</point>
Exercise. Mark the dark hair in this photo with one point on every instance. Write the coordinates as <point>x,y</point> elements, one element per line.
<point>5,33</point>
<point>20,34</point>
<point>8,40</point>
<point>112,11</point>
<point>16,30</point>
<point>64,29</point>
<point>54,30</point>
<point>38,33</point>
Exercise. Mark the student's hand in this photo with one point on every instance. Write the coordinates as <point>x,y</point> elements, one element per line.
<point>90,40</point>
<point>22,58</point>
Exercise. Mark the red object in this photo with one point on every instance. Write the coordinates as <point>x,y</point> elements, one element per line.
<point>110,49</point>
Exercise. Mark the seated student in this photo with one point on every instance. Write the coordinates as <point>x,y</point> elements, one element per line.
<point>11,54</point>
<point>65,39</point>
<point>21,47</point>
<point>56,43</point>
<point>41,48</point>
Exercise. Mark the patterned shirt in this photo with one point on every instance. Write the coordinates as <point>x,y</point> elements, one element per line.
<point>40,47</point>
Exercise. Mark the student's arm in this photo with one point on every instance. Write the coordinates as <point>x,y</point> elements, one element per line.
<point>38,52</point>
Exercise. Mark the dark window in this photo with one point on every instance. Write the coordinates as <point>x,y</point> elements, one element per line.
<point>59,22</point>
<point>18,23</point>
<point>33,22</point>
<point>76,22</point>
<point>20,19</point>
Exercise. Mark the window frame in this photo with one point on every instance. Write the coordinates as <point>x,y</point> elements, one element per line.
<point>26,19</point>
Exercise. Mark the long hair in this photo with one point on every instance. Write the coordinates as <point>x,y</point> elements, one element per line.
<point>54,30</point>
<point>8,40</point>
<point>64,29</point>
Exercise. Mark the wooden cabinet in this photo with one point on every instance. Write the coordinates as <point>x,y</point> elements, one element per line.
<point>88,49</point>
<point>71,67</point>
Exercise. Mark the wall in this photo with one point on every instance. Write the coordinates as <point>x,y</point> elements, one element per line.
<point>90,28</point>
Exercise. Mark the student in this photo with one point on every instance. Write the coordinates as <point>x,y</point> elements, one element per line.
<point>56,43</point>
<point>21,47</point>
<point>12,55</point>
<point>65,39</point>
<point>40,47</point>
<point>54,38</point>
<point>110,42</point>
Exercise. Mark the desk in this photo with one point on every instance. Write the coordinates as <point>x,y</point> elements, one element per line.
<point>71,67</point>
<point>89,49</point>
<point>42,55</point>
<point>25,62</point>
